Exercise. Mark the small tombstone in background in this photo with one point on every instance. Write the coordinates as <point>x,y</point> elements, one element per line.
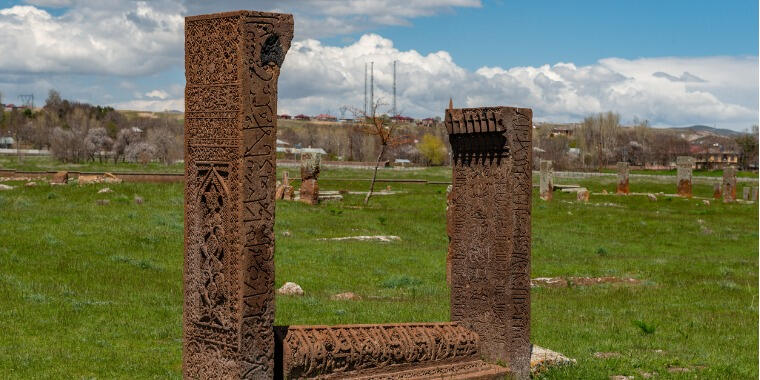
<point>309,192</point>
<point>754,193</point>
<point>582,195</point>
<point>729,184</point>
<point>745,192</point>
<point>716,191</point>
<point>546,180</point>
<point>60,177</point>
<point>683,165</point>
<point>284,190</point>
<point>623,171</point>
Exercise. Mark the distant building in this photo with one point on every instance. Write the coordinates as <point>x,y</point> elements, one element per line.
<point>403,162</point>
<point>426,122</point>
<point>284,116</point>
<point>326,117</point>
<point>401,119</point>
<point>561,131</point>
<point>711,152</point>
<point>6,142</point>
<point>302,117</point>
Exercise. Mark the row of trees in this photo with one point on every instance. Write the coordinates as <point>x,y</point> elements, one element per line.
<point>77,132</point>
<point>600,140</point>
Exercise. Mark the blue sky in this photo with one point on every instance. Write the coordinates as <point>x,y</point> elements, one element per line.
<point>671,62</point>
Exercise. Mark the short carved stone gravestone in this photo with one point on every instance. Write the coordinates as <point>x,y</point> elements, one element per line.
<point>716,191</point>
<point>489,230</point>
<point>729,184</point>
<point>284,190</point>
<point>232,62</point>
<point>309,192</point>
<point>622,182</point>
<point>745,193</point>
<point>754,193</point>
<point>546,180</point>
<point>683,168</point>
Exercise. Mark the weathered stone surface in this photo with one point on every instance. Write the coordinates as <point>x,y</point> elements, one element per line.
<point>284,190</point>
<point>745,192</point>
<point>683,175</point>
<point>290,289</point>
<point>347,296</point>
<point>60,177</point>
<point>489,230</point>
<point>754,194</point>
<point>729,184</point>
<point>388,351</point>
<point>652,197</point>
<point>546,180</point>
<point>232,63</point>
<point>542,359</point>
<point>622,183</point>
<point>139,200</point>
<point>105,190</point>
<point>5,187</point>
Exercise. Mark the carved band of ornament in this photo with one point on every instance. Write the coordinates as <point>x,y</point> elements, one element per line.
<point>340,351</point>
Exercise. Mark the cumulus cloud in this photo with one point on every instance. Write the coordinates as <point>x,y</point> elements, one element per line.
<point>138,39</point>
<point>318,78</point>
<point>159,94</point>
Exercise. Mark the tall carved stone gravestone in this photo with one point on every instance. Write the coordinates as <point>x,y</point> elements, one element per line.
<point>546,180</point>
<point>622,183</point>
<point>232,62</point>
<point>729,184</point>
<point>489,229</point>
<point>683,168</point>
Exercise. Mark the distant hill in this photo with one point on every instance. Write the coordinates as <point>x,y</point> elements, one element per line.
<point>703,130</point>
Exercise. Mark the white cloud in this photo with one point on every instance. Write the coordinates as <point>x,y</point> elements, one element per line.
<point>159,94</point>
<point>151,105</point>
<point>318,78</point>
<point>135,40</point>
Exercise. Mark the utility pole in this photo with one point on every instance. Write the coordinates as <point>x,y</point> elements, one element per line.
<point>372,87</point>
<point>365,88</point>
<point>395,113</point>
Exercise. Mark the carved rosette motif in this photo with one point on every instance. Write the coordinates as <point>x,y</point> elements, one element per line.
<point>489,230</point>
<point>232,62</point>
<point>362,350</point>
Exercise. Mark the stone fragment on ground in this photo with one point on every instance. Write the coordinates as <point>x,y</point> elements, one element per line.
<point>86,179</point>
<point>705,202</point>
<point>582,195</point>
<point>290,289</point>
<point>105,190</point>
<point>347,296</point>
<point>652,197</point>
<point>381,238</point>
<point>5,187</point>
<point>30,184</point>
<point>621,377</point>
<point>606,355</point>
<point>61,177</point>
<point>139,200</point>
<point>563,282</point>
<point>542,359</point>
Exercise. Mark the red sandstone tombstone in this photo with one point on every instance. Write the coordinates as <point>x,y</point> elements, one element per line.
<point>623,172</point>
<point>309,192</point>
<point>729,184</point>
<point>232,62</point>
<point>60,177</point>
<point>489,230</point>
<point>716,191</point>
<point>683,175</point>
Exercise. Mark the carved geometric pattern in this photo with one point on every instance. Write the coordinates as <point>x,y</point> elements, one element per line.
<point>489,230</point>
<point>232,62</point>
<point>361,350</point>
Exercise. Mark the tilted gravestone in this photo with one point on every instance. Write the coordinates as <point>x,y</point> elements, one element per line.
<point>683,175</point>
<point>729,184</point>
<point>622,182</point>
<point>232,62</point>
<point>546,180</point>
<point>489,229</point>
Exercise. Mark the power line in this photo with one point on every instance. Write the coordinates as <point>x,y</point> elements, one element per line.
<point>27,100</point>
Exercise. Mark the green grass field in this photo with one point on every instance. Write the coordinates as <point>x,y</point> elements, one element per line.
<point>94,291</point>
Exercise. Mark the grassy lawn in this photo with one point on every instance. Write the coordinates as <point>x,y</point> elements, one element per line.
<point>94,291</point>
